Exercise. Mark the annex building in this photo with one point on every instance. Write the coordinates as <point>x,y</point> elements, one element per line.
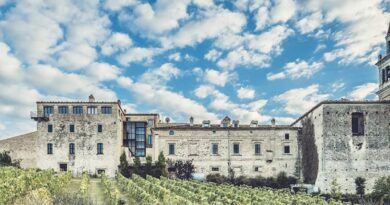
<point>334,140</point>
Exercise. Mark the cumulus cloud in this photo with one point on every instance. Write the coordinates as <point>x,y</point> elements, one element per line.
<point>297,69</point>
<point>216,77</point>
<point>245,93</point>
<point>116,5</point>
<point>299,100</point>
<point>244,57</point>
<point>160,76</point>
<point>283,10</point>
<point>175,56</point>
<point>116,42</point>
<point>158,18</point>
<point>212,55</point>
<point>136,54</point>
<point>103,71</point>
<point>363,92</point>
<point>310,22</point>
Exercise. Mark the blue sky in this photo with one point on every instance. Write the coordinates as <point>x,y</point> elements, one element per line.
<point>250,60</point>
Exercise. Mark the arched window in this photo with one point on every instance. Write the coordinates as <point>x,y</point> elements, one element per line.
<point>171,132</point>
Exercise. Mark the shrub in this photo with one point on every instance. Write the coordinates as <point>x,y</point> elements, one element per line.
<point>360,186</point>
<point>184,169</point>
<point>382,189</point>
<point>5,159</point>
<point>124,165</point>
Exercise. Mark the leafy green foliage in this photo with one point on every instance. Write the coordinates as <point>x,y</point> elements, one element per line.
<point>5,159</point>
<point>360,186</point>
<point>382,189</point>
<point>124,165</point>
<point>184,169</point>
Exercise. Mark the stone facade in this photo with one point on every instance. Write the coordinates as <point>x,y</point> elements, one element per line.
<point>343,154</point>
<point>196,143</point>
<point>85,137</point>
<point>22,149</point>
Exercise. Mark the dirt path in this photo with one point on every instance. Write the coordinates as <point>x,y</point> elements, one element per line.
<point>96,193</point>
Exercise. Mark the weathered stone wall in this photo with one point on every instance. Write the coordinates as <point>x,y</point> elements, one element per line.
<point>197,145</point>
<point>22,149</point>
<point>345,157</point>
<point>85,138</point>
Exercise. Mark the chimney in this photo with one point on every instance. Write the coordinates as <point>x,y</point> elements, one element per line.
<point>379,57</point>
<point>254,123</point>
<point>124,110</point>
<point>235,123</point>
<point>206,123</point>
<point>273,122</point>
<point>191,121</point>
<point>91,98</point>
<point>167,120</point>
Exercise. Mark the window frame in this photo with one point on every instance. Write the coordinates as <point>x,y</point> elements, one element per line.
<point>215,169</point>
<point>100,149</point>
<point>171,132</point>
<point>258,149</point>
<point>100,128</point>
<point>136,137</point>
<point>149,141</point>
<point>72,128</point>
<point>357,123</point>
<point>106,110</point>
<point>234,148</point>
<point>171,145</point>
<point>92,110</point>
<point>215,147</point>
<point>284,149</point>
<point>48,110</point>
<point>286,136</point>
<point>50,128</point>
<point>49,148</point>
<point>72,149</point>
<point>63,109</point>
<point>77,110</point>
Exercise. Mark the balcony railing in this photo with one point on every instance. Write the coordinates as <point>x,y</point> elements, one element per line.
<point>39,116</point>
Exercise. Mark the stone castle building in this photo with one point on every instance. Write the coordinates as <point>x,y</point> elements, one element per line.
<point>334,140</point>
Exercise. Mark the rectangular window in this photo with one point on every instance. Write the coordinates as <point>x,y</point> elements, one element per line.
<point>99,148</point>
<point>78,110</point>
<point>49,128</point>
<point>100,128</point>
<point>215,169</point>
<point>357,124</point>
<point>71,128</point>
<point>287,149</point>
<point>49,148</point>
<point>257,149</point>
<point>106,110</point>
<point>71,148</point>
<point>171,150</point>
<point>48,110</point>
<point>91,110</point>
<point>384,78</point>
<point>287,136</point>
<point>214,148</point>
<point>63,109</point>
<point>150,123</point>
<point>236,148</point>
<point>136,138</point>
<point>150,139</point>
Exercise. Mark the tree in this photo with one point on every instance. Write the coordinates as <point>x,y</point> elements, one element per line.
<point>360,186</point>
<point>124,165</point>
<point>335,190</point>
<point>161,164</point>
<point>137,165</point>
<point>5,159</point>
<point>382,189</point>
<point>184,169</point>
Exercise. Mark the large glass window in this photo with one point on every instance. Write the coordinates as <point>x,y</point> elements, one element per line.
<point>63,109</point>
<point>136,138</point>
<point>77,110</point>
<point>106,110</point>
<point>91,110</point>
<point>47,110</point>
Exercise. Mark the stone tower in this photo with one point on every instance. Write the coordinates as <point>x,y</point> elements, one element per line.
<point>384,71</point>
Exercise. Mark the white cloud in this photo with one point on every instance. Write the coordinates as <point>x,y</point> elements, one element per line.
<point>244,57</point>
<point>175,56</point>
<point>336,86</point>
<point>77,56</point>
<point>160,76</point>
<point>155,19</point>
<point>310,22</point>
<point>125,82</point>
<point>215,23</point>
<point>283,10</point>
<point>204,91</point>
<point>245,93</point>
<point>300,100</point>
<point>103,71</point>
<point>319,47</point>
<point>2,127</point>
<point>9,65</point>
<point>116,5</point>
<point>362,92</point>
<point>262,17</point>
<point>216,77</point>
<point>136,55</point>
<point>297,69</point>
<point>212,55</point>
<point>204,3</point>
<point>116,42</point>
